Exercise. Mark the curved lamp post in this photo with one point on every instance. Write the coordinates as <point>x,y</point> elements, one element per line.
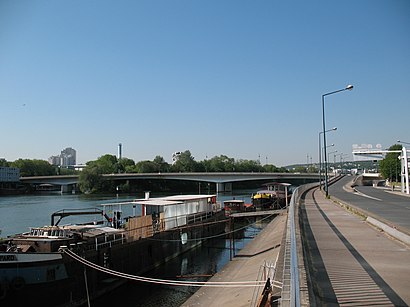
<point>398,141</point>
<point>320,156</point>
<point>404,169</point>
<point>349,87</point>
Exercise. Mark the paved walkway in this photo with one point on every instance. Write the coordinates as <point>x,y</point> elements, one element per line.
<point>244,267</point>
<point>352,263</point>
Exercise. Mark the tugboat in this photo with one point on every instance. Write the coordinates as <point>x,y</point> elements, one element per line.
<point>34,266</point>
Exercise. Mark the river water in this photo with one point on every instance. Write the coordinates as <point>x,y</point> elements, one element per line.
<point>19,213</point>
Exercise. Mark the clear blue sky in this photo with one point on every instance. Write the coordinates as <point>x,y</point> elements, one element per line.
<point>238,78</point>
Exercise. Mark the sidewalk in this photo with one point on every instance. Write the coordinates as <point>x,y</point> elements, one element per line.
<point>244,267</point>
<point>351,262</point>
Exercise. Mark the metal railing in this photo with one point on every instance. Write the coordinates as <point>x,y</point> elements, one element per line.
<point>290,295</point>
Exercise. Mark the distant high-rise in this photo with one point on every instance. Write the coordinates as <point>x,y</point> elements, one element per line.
<point>67,157</point>
<point>119,151</point>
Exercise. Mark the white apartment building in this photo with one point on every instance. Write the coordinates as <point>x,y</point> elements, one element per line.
<point>67,157</point>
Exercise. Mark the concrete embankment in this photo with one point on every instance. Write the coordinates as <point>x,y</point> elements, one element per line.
<point>245,266</point>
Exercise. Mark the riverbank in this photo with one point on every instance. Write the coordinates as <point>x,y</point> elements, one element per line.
<point>245,266</point>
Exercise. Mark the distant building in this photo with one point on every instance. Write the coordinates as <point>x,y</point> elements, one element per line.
<point>54,160</point>
<point>67,157</point>
<point>9,174</point>
<point>175,156</point>
<point>367,152</point>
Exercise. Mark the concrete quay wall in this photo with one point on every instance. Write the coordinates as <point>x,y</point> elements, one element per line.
<point>245,266</point>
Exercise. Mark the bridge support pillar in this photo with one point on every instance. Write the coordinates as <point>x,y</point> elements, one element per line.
<point>64,188</point>
<point>228,187</point>
<point>223,187</point>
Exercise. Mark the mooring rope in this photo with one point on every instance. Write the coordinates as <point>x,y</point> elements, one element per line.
<point>164,281</point>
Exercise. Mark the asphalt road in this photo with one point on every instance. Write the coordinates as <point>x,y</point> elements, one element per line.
<point>380,203</point>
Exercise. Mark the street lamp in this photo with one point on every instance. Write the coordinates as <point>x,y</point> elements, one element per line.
<point>320,156</point>
<point>404,168</point>
<point>349,87</point>
<point>329,153</point>
<point>342,155</point>
<point>323,149</point>
<point>398,141</point>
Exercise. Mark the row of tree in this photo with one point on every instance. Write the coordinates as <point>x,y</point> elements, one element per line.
<point>91,177</point>
<point>34,167</point>
<point>185,163</point>
<point>108,164</point>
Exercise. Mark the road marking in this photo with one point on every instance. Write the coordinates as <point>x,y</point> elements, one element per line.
<point>365,195</point>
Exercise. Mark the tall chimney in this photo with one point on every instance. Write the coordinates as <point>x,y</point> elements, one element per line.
<point>119,151</point>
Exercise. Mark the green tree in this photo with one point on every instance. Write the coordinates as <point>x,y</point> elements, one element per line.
<point>33,167</point>
<point>248,166</point>
<point>124,164</point>
<point>221,164</point>
<point>390,165</point>
<point>106,164</point>
<point>312,169</point>
<point>300,169</point>
<point>161,165</point>
<point>270,168</point>
<point>4,163</point>
<point>185,163</point>
<point>145,167</point>
<point>90,180</point>
<point>205,165</point>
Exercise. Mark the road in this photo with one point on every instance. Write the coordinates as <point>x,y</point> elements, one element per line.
<point>380,203</point>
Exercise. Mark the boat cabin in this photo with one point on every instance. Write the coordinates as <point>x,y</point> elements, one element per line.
<point>233,206</point>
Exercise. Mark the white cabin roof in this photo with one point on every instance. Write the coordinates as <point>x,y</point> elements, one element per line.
<point>162,201</point>
<point>187,197</point>
<point>234,201</point>
<point>158,202</point>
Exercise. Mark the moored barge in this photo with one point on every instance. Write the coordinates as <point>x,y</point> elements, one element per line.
<point>35,268</point>
<point>273,195</point>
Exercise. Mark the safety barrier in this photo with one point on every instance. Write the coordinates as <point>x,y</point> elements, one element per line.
<point>290,295</point>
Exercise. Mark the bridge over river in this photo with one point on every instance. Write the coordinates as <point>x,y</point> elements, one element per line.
<point>223,181</point>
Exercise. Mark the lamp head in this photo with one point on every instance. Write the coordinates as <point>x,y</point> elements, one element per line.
<point>334,128</point>
<point>349,87</point>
